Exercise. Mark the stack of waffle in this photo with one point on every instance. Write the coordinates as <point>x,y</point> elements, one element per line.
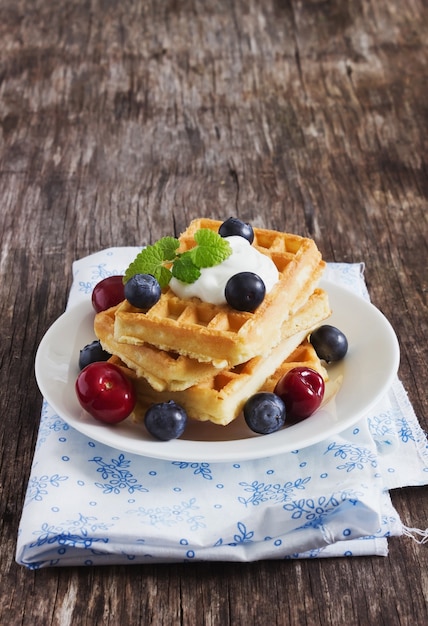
<point>211,358</point>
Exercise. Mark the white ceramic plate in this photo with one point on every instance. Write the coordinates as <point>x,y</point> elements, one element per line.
<point>368,370</point>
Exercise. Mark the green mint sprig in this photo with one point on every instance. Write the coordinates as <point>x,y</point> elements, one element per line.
<point>162,260</point>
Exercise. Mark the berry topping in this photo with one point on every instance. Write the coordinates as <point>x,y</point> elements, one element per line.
<point>107,293</point>
<point>91,353</point>
<point>329,343</point>
<point>105,392</point>
<point>264,413</point>
<point>166,420</point>
<point>245,291</point>
<point>142,291</point>
<point>234,226</point>
<point>302,390</point>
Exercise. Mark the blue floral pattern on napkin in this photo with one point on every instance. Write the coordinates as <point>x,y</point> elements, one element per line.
<point>89,504</point>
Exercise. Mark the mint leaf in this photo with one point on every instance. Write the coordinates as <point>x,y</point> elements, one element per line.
<point>162,260</point>
<point>153,260</point>
<point>168,246</point>
<point>212,249</point>
<point>185,270</point>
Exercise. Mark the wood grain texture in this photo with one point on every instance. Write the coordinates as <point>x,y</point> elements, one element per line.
<point>120,122</point>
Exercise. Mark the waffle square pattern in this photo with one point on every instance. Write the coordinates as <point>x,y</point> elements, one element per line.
<point>218,334</point>
<point>169,371</point>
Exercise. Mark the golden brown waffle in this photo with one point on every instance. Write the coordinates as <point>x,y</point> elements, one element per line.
<point>207,332</point>
<point>163,369</point>
<point>171,371</point>
<point>221,399</point>
<point>303,356</point>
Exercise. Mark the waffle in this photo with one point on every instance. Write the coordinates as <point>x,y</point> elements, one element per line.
<point>163,369</point>
<point>171,371</point>
<point>220,400</point>
<point>220,334</point>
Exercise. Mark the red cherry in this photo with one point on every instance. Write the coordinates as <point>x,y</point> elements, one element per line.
<point>302,390</point>
<point>108,292</point>
<point>105,392</point>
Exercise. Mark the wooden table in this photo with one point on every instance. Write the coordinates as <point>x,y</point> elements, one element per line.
<point>120,122</point>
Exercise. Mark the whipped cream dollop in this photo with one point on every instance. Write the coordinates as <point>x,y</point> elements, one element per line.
<point>211,284</point>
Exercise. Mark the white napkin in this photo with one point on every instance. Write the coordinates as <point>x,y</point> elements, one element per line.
<point>89,504</point>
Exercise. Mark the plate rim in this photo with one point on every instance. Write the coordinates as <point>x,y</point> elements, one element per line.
<point>234,450</point>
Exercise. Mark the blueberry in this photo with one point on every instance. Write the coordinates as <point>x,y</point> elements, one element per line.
<point>92,353</point>
<point>166,420</point>
<point>233,226</point>
<point>142,291</point>
<point>329,343</point>
<point>245,291</point>
<point>264,412</point>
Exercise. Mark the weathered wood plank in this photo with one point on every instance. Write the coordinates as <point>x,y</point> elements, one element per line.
<point>120,122</point>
